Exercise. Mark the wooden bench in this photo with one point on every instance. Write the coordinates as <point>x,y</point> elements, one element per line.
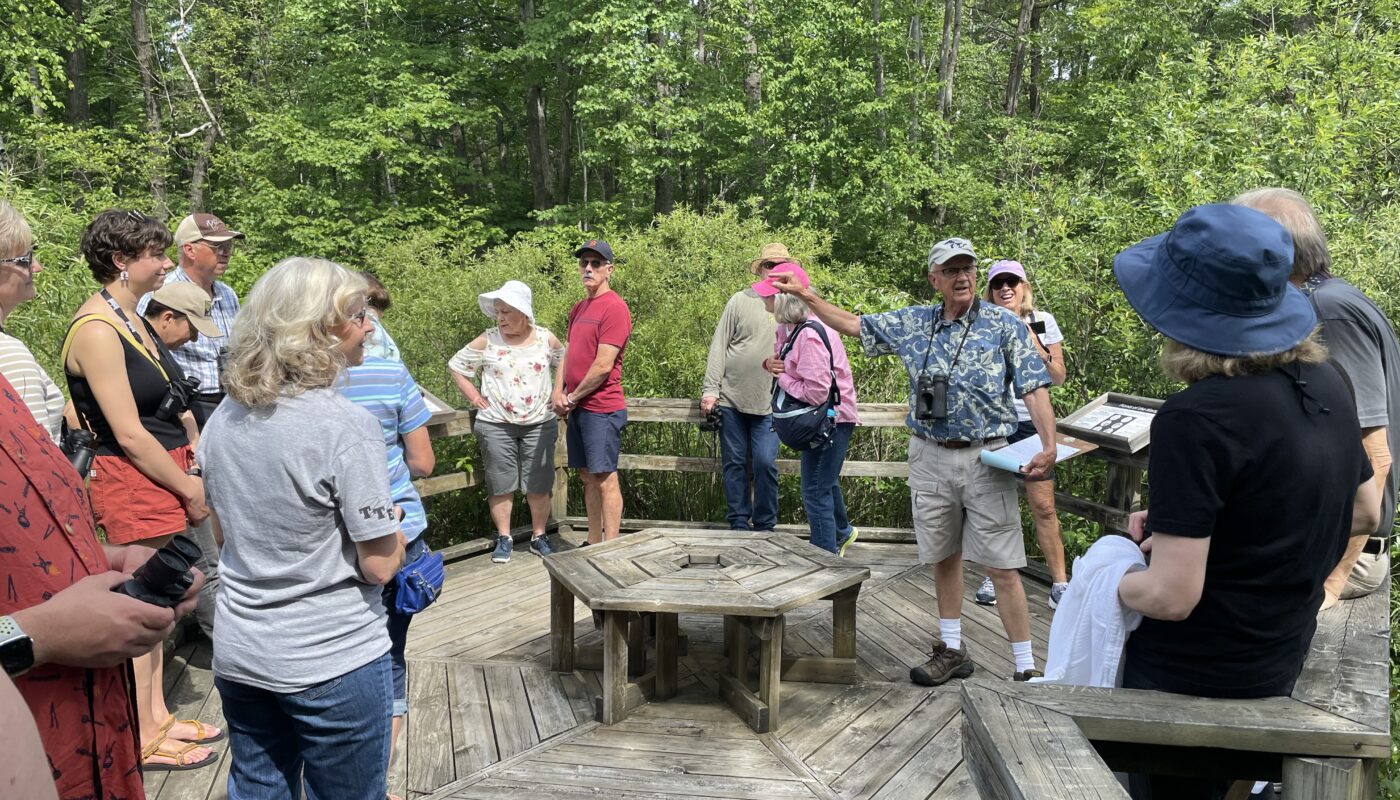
<point>751,579</point>
<point>1325,741</point>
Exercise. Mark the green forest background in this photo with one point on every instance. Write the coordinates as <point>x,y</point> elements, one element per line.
<point>450,145</point>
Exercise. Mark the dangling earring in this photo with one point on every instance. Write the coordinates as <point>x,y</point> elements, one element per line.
<point>124,276</point>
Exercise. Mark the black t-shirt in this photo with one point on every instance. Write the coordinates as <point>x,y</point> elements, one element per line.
<point>148,388</point>
<point>1253,463</point>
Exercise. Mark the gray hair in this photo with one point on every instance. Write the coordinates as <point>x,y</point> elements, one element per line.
<point>285,342</point>
<point>1292,211</point>
<point>789,309</point>
<point>15,235</point>
<point>1188,365</point>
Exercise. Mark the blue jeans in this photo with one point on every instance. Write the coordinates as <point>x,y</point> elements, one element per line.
<point>748,440</point>
<point>332,738</point>
<point>398,629</point>
<point>821,490</point>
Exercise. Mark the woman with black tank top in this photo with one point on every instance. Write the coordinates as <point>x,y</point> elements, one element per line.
<point>144,486</point>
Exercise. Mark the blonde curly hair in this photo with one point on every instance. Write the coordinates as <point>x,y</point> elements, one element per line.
<point>284,341</point>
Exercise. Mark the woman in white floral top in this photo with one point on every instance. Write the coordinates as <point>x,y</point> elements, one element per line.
<point>515,363</point>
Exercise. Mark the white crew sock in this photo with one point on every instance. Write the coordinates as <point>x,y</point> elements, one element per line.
<point>1021,651</point>
<point>950,631</point>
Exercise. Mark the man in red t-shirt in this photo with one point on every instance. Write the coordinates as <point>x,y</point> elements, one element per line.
<point>65,637</point>
<point>592,394</point>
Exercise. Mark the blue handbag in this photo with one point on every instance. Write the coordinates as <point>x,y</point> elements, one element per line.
<point>418,584</point>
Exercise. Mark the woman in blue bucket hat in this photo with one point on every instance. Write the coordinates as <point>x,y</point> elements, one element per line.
<point>1256,475</point>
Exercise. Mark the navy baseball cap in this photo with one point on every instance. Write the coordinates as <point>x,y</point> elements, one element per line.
<point>1218,282</point>
<point>598,246</point>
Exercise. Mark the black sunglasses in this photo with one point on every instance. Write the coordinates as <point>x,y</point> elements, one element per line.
<point>997,283</point>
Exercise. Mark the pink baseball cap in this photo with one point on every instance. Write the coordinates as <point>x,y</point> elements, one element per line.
<point>1005,267</point>
<point>765,287</point>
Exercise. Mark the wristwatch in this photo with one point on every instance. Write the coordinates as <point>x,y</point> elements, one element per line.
<point>16,648</point>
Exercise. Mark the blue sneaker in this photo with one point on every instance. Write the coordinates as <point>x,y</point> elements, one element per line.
<point>540,547</point>
<point>1057,591</point>
<point>502,552</point>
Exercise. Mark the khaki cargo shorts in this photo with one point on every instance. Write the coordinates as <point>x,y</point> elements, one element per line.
<point>961,504</point>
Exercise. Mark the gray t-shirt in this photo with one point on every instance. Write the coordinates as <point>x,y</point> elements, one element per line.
<point>1363,345</point>
<point>734,371</point>
<point>295,486</point>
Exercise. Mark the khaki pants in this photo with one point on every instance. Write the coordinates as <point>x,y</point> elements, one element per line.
<point>1367,576</point>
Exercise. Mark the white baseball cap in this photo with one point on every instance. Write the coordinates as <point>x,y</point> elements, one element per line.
<point>514,294</point>
<point>947,249</point>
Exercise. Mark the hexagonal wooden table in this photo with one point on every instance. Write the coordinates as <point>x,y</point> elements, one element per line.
<point>752,579</point>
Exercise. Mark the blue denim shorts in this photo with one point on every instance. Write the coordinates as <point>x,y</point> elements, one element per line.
<point>595,439</point>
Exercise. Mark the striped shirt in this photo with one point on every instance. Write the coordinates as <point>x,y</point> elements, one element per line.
<point>40,394</point>
<point>200,358</point>
<point>386,390</point>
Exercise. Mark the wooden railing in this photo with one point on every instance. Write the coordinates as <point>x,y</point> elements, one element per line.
<point>1120,495</point>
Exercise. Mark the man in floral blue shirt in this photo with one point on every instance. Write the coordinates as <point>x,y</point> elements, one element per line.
<point>965,360</point>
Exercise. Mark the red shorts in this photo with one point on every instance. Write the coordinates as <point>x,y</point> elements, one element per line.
<point>131,507</point>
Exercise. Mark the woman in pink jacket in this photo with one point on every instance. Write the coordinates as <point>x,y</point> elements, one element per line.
<point>806,375</point>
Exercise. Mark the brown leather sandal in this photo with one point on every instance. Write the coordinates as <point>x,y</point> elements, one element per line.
<point>163,748</point>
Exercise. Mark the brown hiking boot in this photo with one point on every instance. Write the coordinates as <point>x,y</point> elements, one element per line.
<point>946,664</point>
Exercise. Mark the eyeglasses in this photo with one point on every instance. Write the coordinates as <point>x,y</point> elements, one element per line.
<point>25,261</point>
<point>955,272</point>
<point>359,316</point>
<point>1000,282</point>
<point>595,263</point>
<point>222,248</point>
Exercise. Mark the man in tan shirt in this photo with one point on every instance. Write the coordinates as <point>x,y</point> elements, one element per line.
<point>737,384</point>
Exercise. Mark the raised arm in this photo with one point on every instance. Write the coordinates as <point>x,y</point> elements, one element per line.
<point>843,321</point>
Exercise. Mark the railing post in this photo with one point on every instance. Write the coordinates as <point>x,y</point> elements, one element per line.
<point>559,495</point>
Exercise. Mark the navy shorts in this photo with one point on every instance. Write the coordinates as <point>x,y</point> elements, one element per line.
<point>595,439</point>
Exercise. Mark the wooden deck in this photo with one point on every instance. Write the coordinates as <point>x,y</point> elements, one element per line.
<point>488,719</point>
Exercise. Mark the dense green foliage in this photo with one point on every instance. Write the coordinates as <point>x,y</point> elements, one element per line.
<point>452,144</point>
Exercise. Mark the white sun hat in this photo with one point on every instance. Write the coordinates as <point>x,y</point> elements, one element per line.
<point>514,294</point>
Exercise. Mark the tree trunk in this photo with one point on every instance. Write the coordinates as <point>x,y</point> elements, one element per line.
<point>702,17</point>
<point>75,68</point>
<point>948,55</point>
<point>146,66</point>
<point>199,174</point>
<point>916,46</point>
<point>541,181</point>
<point>1037,65</point>
<point>753,78</point>
<point>1018,56</point>
<point>36,105</point>
<point>879,66</point>
<point>563,153</point>
<point>665,201</point>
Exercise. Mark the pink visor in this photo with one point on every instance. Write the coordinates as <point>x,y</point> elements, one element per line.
<point>765,288</point>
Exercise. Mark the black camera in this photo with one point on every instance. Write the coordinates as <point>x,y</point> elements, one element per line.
<point>166,576</point>
<point>177,398</point>
<point>1038,326</point>
<point>712,422</point>
<point>931,398</point>
<point>77,445</point>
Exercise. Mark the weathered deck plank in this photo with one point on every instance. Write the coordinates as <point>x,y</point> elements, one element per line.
<point>490,720</point>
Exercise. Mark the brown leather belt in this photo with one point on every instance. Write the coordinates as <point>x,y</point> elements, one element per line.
<point>953,444</point>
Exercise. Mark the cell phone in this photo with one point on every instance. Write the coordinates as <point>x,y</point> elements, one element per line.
<point>1038,326</point>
